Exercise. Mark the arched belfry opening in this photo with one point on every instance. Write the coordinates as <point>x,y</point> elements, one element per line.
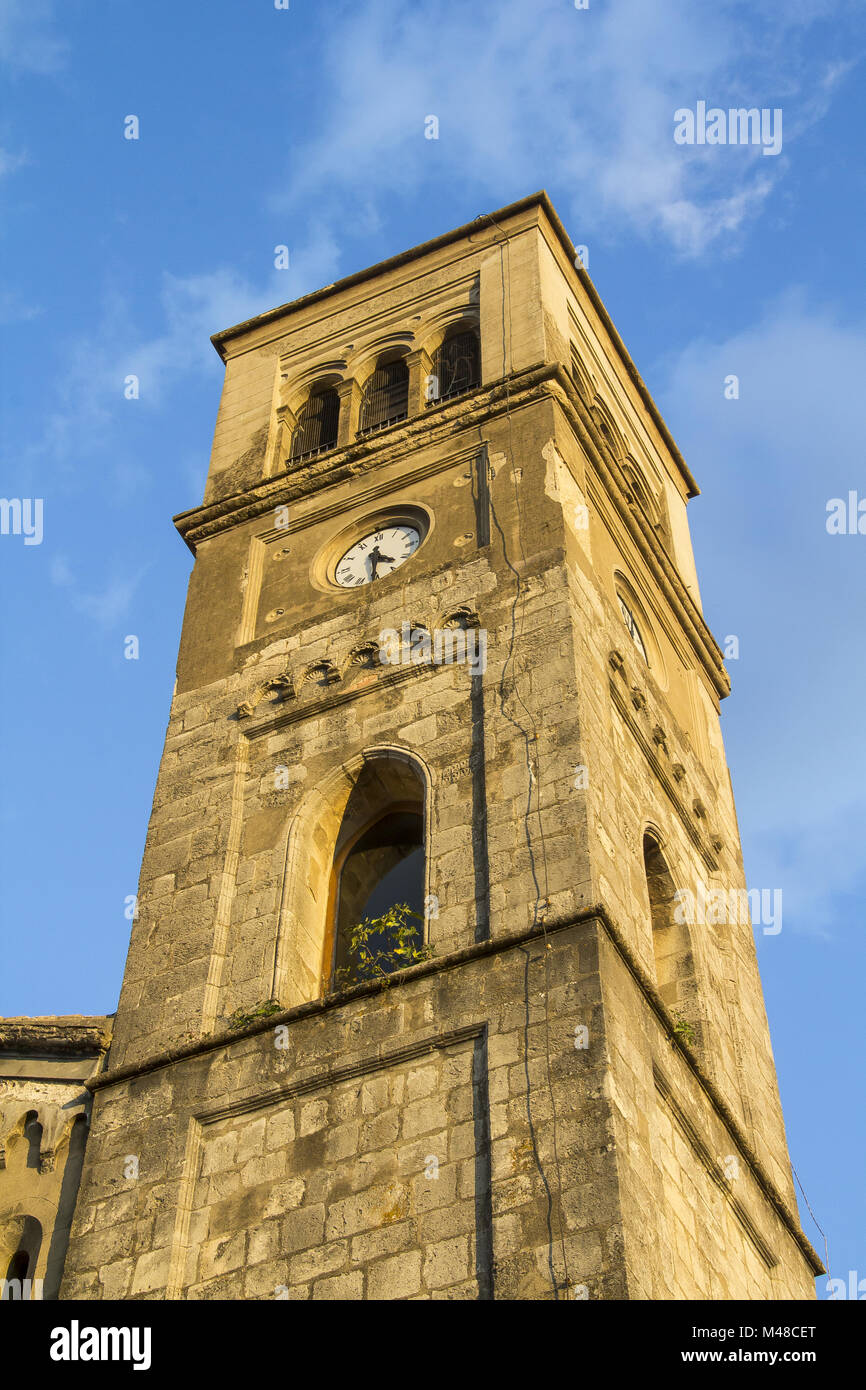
<point>672,946</point>
<point>356,848</point>
<point>318,424</point>
<point>457,363</point>
<point>385,394</point>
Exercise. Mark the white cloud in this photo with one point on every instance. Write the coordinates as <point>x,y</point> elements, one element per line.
<point>544,94</point>
<point>193,308</point>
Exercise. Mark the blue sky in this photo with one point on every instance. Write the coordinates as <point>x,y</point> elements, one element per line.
<point>305,127</point>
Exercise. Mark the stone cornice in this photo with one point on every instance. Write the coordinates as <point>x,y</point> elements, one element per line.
<point>436,425</point>
<point>75,1035</point>
<point>373,272</point>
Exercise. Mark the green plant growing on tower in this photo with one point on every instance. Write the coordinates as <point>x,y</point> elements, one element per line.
<point>404,946</point>
<point>241,1018</point>
<point>683,1029</point>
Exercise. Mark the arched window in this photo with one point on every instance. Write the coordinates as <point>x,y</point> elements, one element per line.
<point>20,1243</point>
<point>610,435</point>
<point>633,629</point>
<point>640,494</point>
<point>33,1137</point>
<point>341,814</point>
<point>318,421</point>
<point>382,871</point>
<point>378,866</point>
<point>674,961</point>
<point>385,395</point>
<point>456,364</point>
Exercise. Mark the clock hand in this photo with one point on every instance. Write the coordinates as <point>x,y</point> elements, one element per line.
<point>376,557</point>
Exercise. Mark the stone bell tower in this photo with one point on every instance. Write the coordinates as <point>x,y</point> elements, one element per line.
<point>443,645</point>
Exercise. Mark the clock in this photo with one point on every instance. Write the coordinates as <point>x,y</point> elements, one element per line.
<point>371,546</point>
<point>376,554</point>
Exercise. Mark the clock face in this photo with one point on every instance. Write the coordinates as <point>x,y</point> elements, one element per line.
<point>378,554</point>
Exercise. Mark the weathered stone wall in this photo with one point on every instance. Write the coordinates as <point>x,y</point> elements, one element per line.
<point>299,1161</point>
<point>702,1215</point>
<point>312,1166</point>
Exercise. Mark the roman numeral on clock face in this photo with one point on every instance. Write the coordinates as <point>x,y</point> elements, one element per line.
<point>376,555</point>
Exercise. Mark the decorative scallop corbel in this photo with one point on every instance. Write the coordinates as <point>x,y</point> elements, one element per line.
<point>616,661</point>
<point>325,672</point>
<point>283,685</point>
<point>462,617</point>
<point>366,654</point>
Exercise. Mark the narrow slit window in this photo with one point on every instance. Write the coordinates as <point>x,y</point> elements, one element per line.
<point>672,946</point>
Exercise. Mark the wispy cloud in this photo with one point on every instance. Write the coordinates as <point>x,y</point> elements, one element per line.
<point>93,367</point>
<point>543,93</point>
<point>15,309</point>
<point>768,463</point>
<point>105,606</point>
<point>29,42</point>
<point>9,162</point>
